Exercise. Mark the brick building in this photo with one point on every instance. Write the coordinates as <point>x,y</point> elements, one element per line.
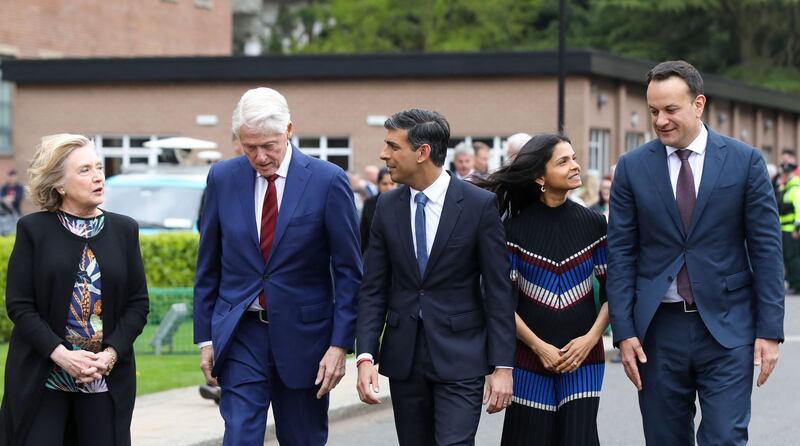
<point>339,102</point>
<point>34,29</point>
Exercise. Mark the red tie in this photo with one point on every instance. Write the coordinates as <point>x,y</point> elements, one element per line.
<point>269,216</point>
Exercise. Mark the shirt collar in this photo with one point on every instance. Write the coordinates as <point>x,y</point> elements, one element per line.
<point>435,192</point>
<point>697,146</point>
<point>287,158</point>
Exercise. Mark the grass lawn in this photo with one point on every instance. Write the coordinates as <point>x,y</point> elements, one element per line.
<point>154,373</point>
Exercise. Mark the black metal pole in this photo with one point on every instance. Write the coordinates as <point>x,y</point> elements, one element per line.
<point>562,50</point>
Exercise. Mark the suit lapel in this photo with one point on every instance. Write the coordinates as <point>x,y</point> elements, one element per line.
<point>246,183</point>
<point>712,166</point>
<point>403,214</point>
<point>450,214</point>
<point>658,170</point>
<point>296,181</point>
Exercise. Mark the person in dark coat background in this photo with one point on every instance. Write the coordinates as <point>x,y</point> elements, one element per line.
<point>77,295</point>
<point>385,184</point>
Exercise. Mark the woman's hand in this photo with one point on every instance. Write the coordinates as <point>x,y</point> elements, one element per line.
<point>575,352</point>
<point>549,355</point>
<point>82,365</point>
<point>106,357</point>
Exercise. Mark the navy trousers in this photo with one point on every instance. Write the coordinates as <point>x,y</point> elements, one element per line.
<point>431,412</point>
<point>683,362</point>
<point>250,383</point>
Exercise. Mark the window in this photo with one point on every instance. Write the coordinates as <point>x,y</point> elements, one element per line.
<point>335,149</point>
<point>119,153</point>
<point>204,4</point>
<point>495,143</point>
<point>633,140</point>
<point>599,150</point>
<point>5,115</point>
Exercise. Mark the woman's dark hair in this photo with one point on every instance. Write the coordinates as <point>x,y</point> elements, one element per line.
<point>513,184</point>
<point>382,173</point>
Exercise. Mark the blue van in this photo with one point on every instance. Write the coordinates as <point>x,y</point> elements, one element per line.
<point>158,201</point>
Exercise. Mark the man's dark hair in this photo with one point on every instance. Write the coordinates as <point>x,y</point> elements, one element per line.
<point>423,127</point>
<point>677,68</point>
<point>789,152</point>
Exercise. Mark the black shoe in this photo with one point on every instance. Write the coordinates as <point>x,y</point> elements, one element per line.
<point>210,392</point>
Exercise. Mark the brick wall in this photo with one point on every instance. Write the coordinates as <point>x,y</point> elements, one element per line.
<point>103,28</point>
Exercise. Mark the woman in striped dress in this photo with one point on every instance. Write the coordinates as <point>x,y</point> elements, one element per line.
<point>555,246</point>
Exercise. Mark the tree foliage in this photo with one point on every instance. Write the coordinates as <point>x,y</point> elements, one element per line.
<point>751,40</point>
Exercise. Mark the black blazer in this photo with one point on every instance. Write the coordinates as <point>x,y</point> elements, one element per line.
<point>41,275</point>
<point>468,332</point>
<point>367,213</point>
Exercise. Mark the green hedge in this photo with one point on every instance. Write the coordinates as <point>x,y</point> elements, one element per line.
<point>169,262</point>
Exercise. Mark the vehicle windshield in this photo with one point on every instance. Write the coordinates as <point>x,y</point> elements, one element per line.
<point>164,207</point>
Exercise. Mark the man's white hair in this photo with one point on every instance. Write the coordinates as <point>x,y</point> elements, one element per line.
<point>515,142</point>
<point>463,149</point>
<point>262,109</point>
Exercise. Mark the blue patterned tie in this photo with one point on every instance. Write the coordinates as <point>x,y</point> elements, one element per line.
<point>419,228</point>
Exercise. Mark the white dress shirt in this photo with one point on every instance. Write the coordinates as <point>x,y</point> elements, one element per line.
<point>696,160</point>
<point>433,209</point>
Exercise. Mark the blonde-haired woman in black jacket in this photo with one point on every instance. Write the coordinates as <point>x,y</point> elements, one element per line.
<point>77,296</point>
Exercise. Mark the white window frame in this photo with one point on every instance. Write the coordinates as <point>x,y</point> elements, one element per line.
<point>322,151</point>
<point>641,137</point>
<point>126,152</point>
<point>599,149</point>
<point>496,154</point>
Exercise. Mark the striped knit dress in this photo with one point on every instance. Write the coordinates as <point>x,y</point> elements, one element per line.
<point>555,255</point>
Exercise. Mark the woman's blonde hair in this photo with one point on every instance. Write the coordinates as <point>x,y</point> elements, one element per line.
<point>46,172</point>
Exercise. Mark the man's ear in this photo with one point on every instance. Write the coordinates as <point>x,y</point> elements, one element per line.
<point>289,129</point>
<point>423,153</point>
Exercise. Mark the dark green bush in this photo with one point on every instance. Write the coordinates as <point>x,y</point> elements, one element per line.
<point>169,262</point>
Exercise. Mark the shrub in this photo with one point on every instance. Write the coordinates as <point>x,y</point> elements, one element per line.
<point>169,262</point>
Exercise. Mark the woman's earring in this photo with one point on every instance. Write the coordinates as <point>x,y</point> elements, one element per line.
<point>542,188</point>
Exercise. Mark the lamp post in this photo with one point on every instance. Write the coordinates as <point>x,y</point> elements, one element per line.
<point>562,49</point>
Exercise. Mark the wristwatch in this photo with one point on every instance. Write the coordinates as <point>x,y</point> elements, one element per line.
<point>111,363</point>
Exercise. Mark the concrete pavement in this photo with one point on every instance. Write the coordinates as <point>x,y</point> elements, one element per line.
<point>179,417</point>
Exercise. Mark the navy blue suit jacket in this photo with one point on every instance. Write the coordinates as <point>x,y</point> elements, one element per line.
<point>467,331</point>
<point>732,248</point>
<point>314,271</point>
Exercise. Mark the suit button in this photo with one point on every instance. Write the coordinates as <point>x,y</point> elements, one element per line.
<point>670,279</point>
<point>265,277</point>
<point>421,292</point>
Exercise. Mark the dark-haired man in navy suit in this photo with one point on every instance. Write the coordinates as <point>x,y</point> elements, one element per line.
<point>695,279</point>
<point>436,243</point>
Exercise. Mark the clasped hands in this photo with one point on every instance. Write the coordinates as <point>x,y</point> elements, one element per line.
<point>83,365</point>
<point>568,358</point>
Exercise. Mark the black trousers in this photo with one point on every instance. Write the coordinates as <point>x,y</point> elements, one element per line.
<point>87,416</point>
<point>431,412</point>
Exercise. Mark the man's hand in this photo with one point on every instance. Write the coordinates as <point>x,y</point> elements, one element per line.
<point>765,354</point>
<point>630,351</point>
<point>331,370</point>
<point>367,384</point>
<point>207,363</point>
<point>499,387</point>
